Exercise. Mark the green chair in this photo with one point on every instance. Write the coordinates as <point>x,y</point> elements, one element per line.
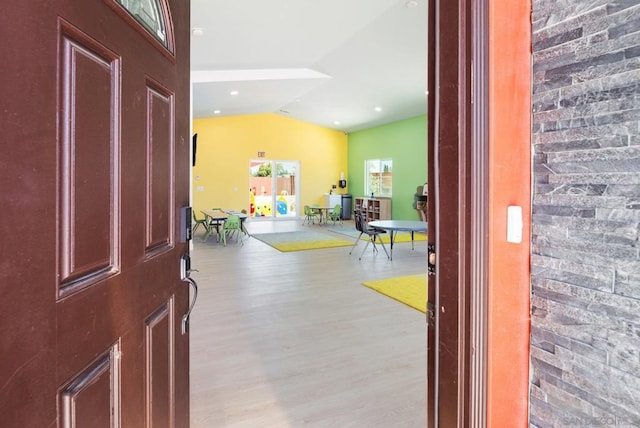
<point>198,221</point>
<point>215,224</point>
<point>315,208</point>
<point>310,215</point>
<point>335,214</point>
<point>232,226</point>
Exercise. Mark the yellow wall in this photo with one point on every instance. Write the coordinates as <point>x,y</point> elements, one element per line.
<point>227,144</point>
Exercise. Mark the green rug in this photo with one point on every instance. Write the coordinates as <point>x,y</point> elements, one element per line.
<point>299,241</point>
<point>410,290</point>
<point>400,236</point>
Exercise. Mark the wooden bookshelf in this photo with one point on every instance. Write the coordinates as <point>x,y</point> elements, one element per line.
<point>374,209</point>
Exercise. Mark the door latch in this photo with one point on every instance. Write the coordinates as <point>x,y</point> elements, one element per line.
<point>431,258</point>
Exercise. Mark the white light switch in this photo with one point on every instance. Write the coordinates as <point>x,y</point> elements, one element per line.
<point>514,224</point>
<point>199,188</point>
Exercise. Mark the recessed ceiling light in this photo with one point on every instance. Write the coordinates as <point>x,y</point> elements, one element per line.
<point>337,122</point>
<point>216,112</point>
<point>378,109</point>
<point>411,4</point>
<point>234,92</point>
<point>197,31</point>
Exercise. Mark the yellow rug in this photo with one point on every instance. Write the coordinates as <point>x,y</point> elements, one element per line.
<point>400,236</point>
<point>300,241</point>
<point>410,290</point>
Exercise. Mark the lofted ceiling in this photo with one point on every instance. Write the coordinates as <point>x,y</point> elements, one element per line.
<point>342,64</point>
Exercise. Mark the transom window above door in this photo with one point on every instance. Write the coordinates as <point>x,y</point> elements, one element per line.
<point>149,14</point>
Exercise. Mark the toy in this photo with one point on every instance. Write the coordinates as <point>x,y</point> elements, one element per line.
<point>281,203</point>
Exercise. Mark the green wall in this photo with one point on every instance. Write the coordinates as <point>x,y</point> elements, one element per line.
<point>405,142</point>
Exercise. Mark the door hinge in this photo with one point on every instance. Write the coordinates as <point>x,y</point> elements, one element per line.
<point>431,314</point>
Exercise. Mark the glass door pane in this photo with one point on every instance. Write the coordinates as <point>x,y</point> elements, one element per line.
<point>260,185</point>
<point>286,193</point>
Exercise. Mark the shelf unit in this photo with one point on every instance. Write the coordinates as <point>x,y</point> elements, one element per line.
<point>374,209</point>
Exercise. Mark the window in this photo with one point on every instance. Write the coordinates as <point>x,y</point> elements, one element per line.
<point>378,177</point>
<point>149,14</point>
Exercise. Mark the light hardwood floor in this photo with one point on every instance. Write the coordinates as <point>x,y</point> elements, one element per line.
<point>295,340</point>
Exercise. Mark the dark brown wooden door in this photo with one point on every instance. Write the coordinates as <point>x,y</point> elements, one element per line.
<point>454,216</point>
<point>94,165</point>
<point>431,218</point>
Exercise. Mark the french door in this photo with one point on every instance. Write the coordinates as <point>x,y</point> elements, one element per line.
<point>274,188</point>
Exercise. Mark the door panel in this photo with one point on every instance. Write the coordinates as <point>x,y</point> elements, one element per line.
<point>88,148</point>
<point>95,164</point>
<point>160,161</point>
<point>159,345</point>
<point>92,398</point>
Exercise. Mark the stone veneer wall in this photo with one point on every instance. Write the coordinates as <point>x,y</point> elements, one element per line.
<point>585,319</point>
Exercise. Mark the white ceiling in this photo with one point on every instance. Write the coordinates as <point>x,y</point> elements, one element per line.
<point>319,61</point>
